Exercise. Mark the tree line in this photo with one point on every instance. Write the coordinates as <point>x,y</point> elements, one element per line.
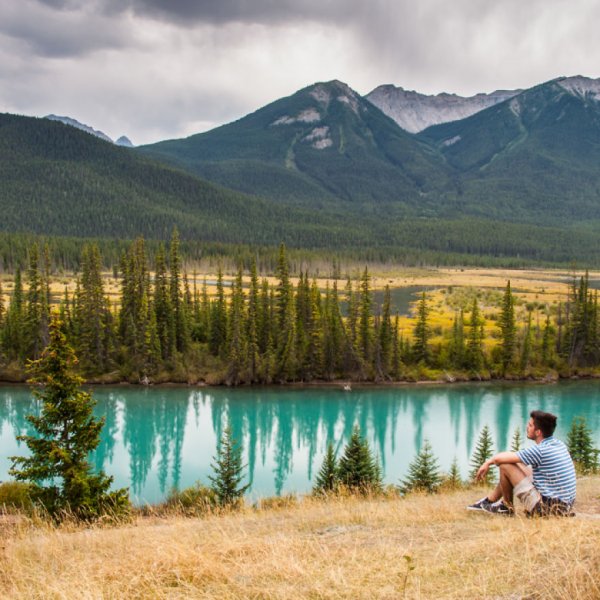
<point>162,327</point>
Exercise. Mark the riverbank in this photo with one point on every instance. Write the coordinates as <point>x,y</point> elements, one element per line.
<point>436,377</point>
<point>416,547</point>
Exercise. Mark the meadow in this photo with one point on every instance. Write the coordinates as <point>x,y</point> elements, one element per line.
<point>344,547</point>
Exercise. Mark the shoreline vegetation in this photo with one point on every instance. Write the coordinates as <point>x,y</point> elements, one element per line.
<point>338,546</point>
<point>167,325</point>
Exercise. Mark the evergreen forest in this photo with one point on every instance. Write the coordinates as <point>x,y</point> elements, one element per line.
<point>165,325</point>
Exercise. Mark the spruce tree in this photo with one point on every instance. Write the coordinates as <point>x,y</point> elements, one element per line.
<point>453,480</point>
<point>422,332</point>
<point>423,472</point>
<point>162,304</point>
<point>483,451</point>
<point>508,329</point>
<point>35,320</point>
<point>365,318</point>
<point>236,335</point>
<point>12,333</point>
<point>546,342</point>
<point>358,469</point>
<point>218,319</point>
<point>457,343</point>
<point>252,326</point>
<point>474,350</point>
<point>527,344</point>
<point>386,333</point>
<point>517,440</point>
<point>178,305</point>
<point>581,446</point>
<point>67,432</point>
<point>327,479</point>
<point>228,471</point>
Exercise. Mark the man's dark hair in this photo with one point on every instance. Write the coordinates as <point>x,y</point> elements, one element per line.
<point>545,422</point>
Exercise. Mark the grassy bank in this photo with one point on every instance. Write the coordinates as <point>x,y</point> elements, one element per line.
<point>416,547</point>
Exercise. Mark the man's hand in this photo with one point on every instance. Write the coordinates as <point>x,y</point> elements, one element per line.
<point>483,469</point>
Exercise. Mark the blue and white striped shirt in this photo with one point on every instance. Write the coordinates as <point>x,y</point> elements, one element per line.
<point>553,470</point>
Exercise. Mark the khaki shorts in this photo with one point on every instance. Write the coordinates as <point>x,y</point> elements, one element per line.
<point>525,491</point>
<point>536,504</point>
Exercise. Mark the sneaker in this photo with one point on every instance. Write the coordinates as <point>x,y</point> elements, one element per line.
<point>482,505</point>
<point>499,508</point>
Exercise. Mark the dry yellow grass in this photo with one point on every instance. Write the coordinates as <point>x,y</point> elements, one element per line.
<point>344,548</point>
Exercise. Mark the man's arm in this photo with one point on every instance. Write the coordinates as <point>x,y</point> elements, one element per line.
<point>501,458</point>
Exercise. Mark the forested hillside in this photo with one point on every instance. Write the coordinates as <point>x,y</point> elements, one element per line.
<point>515,184</point>
<point>534,158</point>
<point>325,142</point>
<point>57,180</point>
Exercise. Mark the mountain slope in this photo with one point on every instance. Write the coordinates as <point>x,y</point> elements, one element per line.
<point>57,180</point>
<point>533,158</point>
<point>324,142</point>
<point>415,112</point>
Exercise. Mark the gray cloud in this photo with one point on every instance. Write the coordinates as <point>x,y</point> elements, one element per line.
<point>220,12</point>
<point>165,68</point>
<point>59,28</point>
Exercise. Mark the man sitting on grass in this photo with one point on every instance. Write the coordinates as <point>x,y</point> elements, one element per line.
<point>542,476</point>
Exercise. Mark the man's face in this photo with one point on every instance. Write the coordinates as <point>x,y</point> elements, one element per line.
<point>531,430</point>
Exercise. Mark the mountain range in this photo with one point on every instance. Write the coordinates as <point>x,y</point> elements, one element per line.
<point>122,141</point>
<point>415,112</point>
<point>508,174</point>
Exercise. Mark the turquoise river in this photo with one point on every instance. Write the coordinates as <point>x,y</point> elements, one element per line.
<point>157,438</point>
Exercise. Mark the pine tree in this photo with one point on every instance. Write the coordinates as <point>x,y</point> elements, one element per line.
<point>457,343</point>
<point>365,318</point>
<point>91,314</point>
<point>474,350</point>
<point>546,342</point>
<point>286,342</point>
<point>34,317</point>
<point>527,343</point>
<point>236,336</point>
<point>396,350</point>
<point>228,471</point>
<point>178,305</point>
<point>386,333</point>
<point>218,319</point>
<point>162,305</point>
<point>422,332</point>
<point>581,446</point>
<point>423,472</point>
<point>508,329</point>
<point>12,334</point>
<point>66,433</point>
<point>252,332</point>
<point>483,451</point>
<point>358,470</point>
<point>453,480</point>
<point>327,479</point>
<point>517,440</point>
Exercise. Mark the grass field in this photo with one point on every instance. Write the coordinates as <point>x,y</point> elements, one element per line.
<point>416,547</point>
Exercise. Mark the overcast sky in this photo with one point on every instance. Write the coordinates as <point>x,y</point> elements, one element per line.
<point>157,69</point>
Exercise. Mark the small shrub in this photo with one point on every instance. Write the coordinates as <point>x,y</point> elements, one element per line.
<point>15,495</point>
<point>278,502</point>
<point>197,499</point>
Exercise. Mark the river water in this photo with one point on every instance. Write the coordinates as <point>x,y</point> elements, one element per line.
<point>157,438</point>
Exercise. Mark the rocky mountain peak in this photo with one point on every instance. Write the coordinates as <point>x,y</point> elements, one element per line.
<point>415,112</point>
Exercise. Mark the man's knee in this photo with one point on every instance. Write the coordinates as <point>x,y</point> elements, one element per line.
<point>512,472</point>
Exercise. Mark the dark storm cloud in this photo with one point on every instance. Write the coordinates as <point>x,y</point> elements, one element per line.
<point>58,28</point>
<point>240,11</point>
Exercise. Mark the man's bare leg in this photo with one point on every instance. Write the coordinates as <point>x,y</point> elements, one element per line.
<point>510,475</point>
